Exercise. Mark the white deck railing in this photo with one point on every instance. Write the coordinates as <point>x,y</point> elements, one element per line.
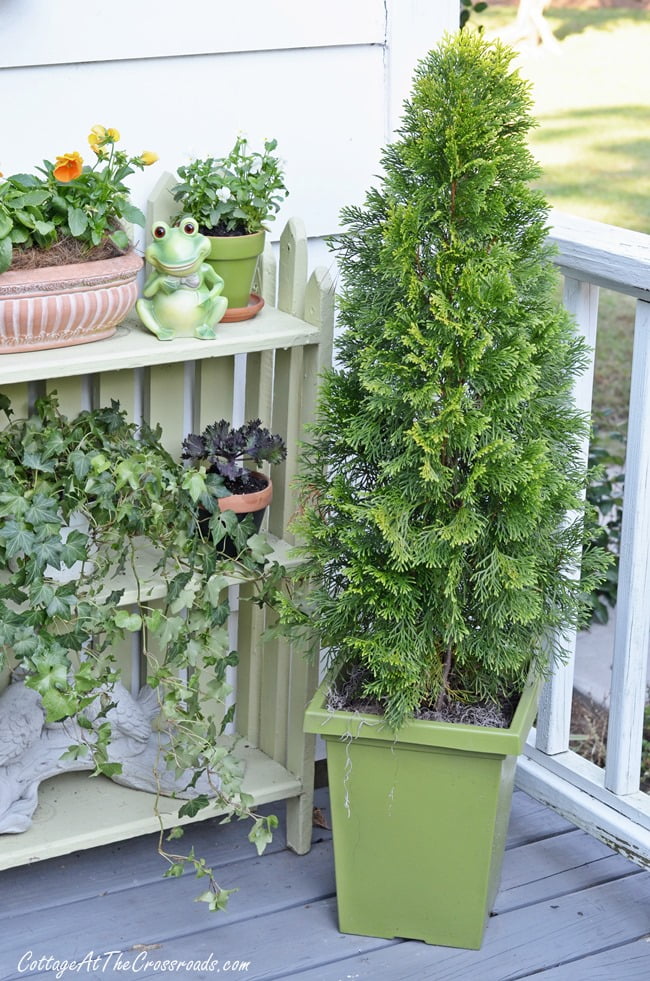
<point>606,801</point>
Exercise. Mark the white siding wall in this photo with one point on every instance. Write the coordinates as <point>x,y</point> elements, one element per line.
<point>325,77</point>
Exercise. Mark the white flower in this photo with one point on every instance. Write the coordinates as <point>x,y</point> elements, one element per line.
<point>224,194</point>
<point>255,167</point>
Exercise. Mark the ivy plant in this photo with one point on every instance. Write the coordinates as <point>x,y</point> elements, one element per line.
<point>441,489</point>
<point>61,630</point>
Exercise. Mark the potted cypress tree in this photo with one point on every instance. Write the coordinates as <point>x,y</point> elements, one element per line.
<point>439,562</point>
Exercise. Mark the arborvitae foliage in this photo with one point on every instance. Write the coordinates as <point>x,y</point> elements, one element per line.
<point>445,455</point>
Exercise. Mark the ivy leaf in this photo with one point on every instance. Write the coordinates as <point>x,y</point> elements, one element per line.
<point>41,593</point>
<point>170,630</point>
<point>193,652</point>
<point>214,587</point>
<point>174,871</point>
<point>26,645</point>
<point>216,901</point>
<point>153,620</point>
<point>107,769</point>
<point>126,620</point>
<point>194,484</point>
<point>50,671</point>
<point>60,605</point>
<point>99,463</point>
<point>192,807</point>
<point>42,510</point>
<point>13,503</point>
<point>215,688</point>
<point>75,752</point>
<point>33,460</point>
<point>5,406</point>
<point>58,705</point>
<point>184,599</point>
<point>48,551</point>
<point>75,548</point>
<point>261,834</point>
<point>127,473</point>
<point>18,539</point>
<point>80,464</point>
<point>259,548</point>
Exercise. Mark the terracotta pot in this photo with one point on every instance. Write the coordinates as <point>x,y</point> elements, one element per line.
<point>58,306</point>
<point>242,505</point>
<point>248,503</point>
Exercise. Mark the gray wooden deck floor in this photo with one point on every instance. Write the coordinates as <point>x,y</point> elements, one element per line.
<point>568,910</point>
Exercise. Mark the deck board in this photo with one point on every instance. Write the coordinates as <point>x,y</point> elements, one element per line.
<point>569,909</point>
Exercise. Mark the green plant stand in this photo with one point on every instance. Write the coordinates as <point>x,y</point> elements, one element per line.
<point>420,829</point>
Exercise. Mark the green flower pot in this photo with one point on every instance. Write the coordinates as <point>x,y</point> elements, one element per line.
<point>419,819</point>
<point>234,258</point>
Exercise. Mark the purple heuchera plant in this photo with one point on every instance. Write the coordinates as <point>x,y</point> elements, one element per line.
<point>223,449</point>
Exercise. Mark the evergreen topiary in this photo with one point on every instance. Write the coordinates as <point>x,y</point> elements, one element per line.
<point>447,451</point>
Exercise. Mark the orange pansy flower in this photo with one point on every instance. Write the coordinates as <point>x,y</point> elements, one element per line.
<point>68,167</point>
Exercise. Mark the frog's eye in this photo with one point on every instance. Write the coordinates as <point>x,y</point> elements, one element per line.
<point>190,227</point>
<point>159,231</point>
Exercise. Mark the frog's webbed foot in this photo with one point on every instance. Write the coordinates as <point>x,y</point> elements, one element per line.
<point>213,310</point>
<point>205,332</point>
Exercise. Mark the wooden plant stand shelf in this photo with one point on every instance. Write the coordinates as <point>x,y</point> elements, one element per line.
<point>76,812</point>
<point>266,368</point>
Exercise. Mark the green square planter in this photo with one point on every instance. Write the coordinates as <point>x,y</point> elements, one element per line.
<point>419,820</point>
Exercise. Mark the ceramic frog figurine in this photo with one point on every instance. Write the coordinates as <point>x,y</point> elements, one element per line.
<point>182,296</point>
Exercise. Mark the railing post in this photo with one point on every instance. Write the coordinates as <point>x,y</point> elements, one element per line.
<point>632,633</point>
<point>554,716</point>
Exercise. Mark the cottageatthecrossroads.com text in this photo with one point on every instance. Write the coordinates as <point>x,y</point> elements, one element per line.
<point>116,961</point>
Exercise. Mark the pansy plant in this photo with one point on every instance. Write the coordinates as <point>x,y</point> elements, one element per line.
<point>232,195</point>
<point>68,199</point>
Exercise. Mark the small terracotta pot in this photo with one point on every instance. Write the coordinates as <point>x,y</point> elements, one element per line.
<point>248,503</point>
<point>59,306</point>
<point>242,505</point>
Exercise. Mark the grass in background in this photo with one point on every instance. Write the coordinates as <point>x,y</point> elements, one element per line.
<point>593,142</point>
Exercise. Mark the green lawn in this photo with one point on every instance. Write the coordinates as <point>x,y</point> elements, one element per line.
<point>593,142</point>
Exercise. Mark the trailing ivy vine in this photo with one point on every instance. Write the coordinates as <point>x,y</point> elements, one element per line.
<point>130,497</point>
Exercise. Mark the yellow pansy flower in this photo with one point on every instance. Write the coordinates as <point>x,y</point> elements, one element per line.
<point>99,136</point>
<point>148,158</point>
<point>96,137</point>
